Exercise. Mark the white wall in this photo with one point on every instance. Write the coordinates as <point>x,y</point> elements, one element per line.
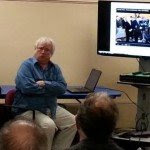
<point>74,29</point>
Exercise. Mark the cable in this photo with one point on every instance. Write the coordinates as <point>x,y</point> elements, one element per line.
<point>140,64</point>
<point>141,109</point>
<point>140,140</point>
<point>142,122</point>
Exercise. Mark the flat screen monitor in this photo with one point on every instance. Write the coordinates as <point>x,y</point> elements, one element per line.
<point>123,28</point>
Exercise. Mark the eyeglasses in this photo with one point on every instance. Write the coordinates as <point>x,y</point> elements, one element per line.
<point>46,50</point>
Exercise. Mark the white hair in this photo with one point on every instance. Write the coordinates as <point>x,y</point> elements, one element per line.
<point>46,40</point>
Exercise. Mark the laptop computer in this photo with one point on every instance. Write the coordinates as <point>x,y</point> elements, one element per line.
<point>89,85</point>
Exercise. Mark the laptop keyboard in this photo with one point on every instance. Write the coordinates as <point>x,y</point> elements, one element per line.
<point>82,89</point>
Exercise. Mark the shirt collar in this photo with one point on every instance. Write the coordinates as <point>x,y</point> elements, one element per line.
<point>35,61</point>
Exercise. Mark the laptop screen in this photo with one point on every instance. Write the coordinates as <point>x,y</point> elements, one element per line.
<point>93,79</point>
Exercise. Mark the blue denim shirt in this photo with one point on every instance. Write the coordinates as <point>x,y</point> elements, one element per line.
<point>30,95</point>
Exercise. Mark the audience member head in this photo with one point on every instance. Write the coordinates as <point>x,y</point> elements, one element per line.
<point>44,49</point>
<point>22,134</point>
<point>97,117</point>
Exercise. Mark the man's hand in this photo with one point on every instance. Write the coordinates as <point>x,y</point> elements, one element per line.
<point>41,83</point>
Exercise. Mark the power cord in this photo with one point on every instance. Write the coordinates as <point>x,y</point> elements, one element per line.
<point>140,108</point>
<point>140,64</point>
<point>142,123</point>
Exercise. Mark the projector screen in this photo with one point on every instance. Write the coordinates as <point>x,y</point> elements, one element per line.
<point>124,29</point>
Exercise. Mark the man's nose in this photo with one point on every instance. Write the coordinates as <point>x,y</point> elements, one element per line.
<point>43,51</point>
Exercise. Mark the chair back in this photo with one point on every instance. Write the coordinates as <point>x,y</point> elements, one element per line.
<point>5,109</point>
<point>10,97</point>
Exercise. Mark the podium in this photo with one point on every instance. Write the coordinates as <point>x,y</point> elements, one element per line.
<point>143,109</point>
<point>143,100</point>
<point>144,96</point>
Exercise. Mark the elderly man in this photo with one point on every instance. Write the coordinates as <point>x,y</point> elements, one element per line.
<point>96,120</point>
<point>38,82</point>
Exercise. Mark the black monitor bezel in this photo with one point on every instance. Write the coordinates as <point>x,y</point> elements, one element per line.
<point>103,52</point>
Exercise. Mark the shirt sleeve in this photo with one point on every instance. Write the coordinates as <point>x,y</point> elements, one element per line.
<point>57,87</point>
<point>25,81</point>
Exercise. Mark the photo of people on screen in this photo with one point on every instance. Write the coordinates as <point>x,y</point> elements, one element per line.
<point>133,27</point>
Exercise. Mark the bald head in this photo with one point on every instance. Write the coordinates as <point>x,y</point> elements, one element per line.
<point>97,116</point>
<point>22,135</point>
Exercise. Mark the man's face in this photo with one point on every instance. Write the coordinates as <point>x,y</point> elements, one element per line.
<point>117,18</point>
<point>43,52</point>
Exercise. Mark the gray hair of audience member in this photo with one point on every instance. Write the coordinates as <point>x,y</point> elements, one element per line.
<point>22,134</point>
<point>97,116</point>
<point>47,41</point>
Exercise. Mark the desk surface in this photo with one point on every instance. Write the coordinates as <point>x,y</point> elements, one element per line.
<point>138,85</point>
<point>68,95</point>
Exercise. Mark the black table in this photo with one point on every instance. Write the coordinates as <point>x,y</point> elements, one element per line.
<point>131,143</point>
<point>68,95</point>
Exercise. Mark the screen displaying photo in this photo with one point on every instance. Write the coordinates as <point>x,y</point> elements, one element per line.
<point>129,28</point>
<point>133,27</point>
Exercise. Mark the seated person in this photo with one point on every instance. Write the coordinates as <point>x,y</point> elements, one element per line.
<point>38,84</point>
<point>22,134</point>
<point>96,120</point>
